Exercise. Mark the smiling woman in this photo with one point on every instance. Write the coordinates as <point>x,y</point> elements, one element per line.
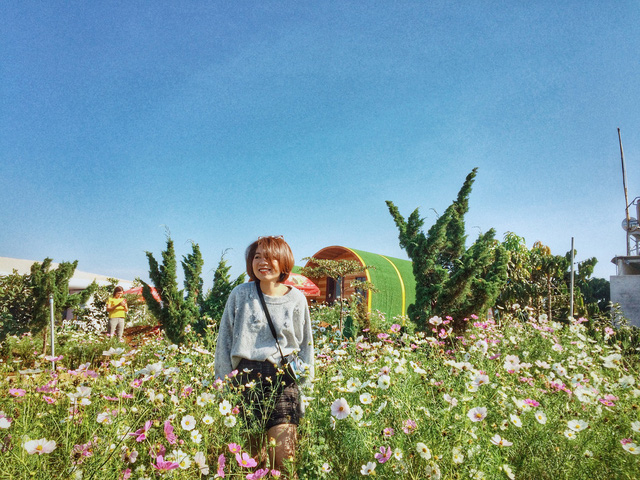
<point>264,322</point>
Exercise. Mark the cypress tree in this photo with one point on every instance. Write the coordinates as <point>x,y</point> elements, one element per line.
<point>451,279</point>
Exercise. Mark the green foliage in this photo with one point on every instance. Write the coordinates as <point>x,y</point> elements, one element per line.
<point>16,304</point>
<point>177,311</point>
<point>451,279</point>
<point>45,283</point>
<point>536,277</point>
<point>216,299</point>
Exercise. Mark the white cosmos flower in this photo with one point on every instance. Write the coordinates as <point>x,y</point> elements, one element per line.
<point>188,423</point>
<point>499,441</point>
<point>635,426</point>
<point>477,414</point>
<point>397,453</point>
<point>201,461</point>
<point>357,412</point>
<point>612,361</point>
<point>353,384</point>
<point>570,434</point>
<point>366,399</point>
<point>39,446</point>
<point>508,471</point>
<point>340,409</point>
<point>368,469</point>
<point>577,425</point>
<point>450,400</point>
<point>230,421</point>
<point>384,381</point>
<point>224,407</point>
<point>515,419</point>
<point>631,448</point>
<point>541,417</point>
<point>423,450</point>
<point>196,436</point>
<point>207,420</point>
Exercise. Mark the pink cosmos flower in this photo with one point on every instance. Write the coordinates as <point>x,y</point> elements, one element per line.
<point>164,466</point>
<point>388,432</point>
<point>383,456</point>
<point>17,392</point>
<point>245,460</point>
<point>168,433</point>
<point>410,426</point>
<point>141,433</point>
<point>258,474</point>
<point>275,473</point>
<point>221,463</point>
<point>126,474</point>
<point>531,402</point>
<point>395,328</point>
<point>235,448</point>
<point>49,400</point>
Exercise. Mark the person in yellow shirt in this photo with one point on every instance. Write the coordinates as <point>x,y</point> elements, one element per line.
<point>117,309</point>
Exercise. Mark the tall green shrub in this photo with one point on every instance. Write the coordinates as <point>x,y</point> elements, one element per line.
<point>450,278</point>
<point>16,304</point>
<point>46,282</point>
<point>216,298</point>
<point>178,310</point>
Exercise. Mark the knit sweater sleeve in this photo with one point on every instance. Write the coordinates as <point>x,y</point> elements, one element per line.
<point>307,354</point>
<point>223,366</point>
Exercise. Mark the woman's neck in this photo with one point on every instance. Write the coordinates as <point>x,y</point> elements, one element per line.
<point>274,289</point>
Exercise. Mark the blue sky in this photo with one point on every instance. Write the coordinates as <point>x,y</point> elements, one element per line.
<point>223,121</point>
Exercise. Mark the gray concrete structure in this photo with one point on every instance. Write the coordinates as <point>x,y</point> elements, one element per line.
<point>625,287</point>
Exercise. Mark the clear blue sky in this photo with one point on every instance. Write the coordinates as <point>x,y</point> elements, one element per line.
<point>223,121</point>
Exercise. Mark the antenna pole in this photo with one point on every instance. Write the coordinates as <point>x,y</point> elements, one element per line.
<point>626,196</point>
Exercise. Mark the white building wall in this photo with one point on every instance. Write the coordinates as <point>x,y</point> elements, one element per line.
<point>625,290</point>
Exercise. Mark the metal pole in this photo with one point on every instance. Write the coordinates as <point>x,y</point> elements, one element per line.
<point>571,308</point>
<point>53,334</point>
<point>626,196</point>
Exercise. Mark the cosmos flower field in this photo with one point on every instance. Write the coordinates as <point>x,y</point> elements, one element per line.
<point>520,400</point>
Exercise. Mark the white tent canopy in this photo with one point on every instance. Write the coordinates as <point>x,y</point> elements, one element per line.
<point>79,281</point>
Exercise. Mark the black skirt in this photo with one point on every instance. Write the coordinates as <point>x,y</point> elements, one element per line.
<point>269,397</point>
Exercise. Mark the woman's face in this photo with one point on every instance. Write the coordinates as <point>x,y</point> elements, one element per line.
<point>119,293</point>
<point>263,269</point>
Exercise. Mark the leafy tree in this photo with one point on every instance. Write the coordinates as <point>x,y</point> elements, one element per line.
<point>16,304</point>
<point>451,279</point>
<point>45,283</point>
<point>335,269</point>
<point>542,280</point>
<point>178,310</point>
<point>216,299</point>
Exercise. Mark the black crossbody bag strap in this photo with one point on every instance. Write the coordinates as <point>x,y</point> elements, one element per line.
<point>271,327</point>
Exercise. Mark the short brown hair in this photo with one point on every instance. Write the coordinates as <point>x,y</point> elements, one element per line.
<point>118,289</point>
<point>274,248</point>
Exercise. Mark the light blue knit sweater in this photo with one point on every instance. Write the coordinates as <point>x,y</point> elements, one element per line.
<point>244,331</point>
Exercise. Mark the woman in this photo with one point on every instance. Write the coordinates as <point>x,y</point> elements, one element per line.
<point>117,309</point>
<point>246,344</point>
